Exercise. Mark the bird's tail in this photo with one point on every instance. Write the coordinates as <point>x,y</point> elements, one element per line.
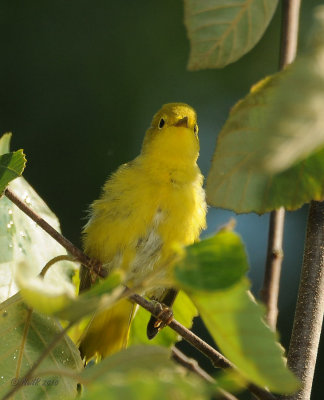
<point>108,331</point>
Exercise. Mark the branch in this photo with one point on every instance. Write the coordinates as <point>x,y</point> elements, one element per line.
<point>271,284</point>
<point>310,305</point>
<point>217,359</point>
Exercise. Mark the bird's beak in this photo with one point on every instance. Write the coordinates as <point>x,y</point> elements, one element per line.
<point>182,122</point>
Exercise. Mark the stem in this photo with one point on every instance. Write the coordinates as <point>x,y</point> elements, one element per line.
<point>270,290</point>
<point>53,261</point>
<point>310,305</point>
<point>217,359</point>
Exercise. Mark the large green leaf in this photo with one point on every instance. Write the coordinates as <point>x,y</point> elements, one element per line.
<point>234,184</point>
<point>21,239</point>
<point>235,321</point>
<point>141,373</point>
<point>26,334</point>
<point>294,128</point>
<point>230,313</point>
<point>183,310</point>
<point>222,31</point>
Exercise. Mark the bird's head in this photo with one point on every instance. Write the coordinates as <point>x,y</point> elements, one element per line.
<point>173,134</point>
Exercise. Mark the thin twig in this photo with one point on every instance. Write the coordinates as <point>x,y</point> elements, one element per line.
<point>153,307</point>
<point>50,263</point>
<point>310,305</point>
<point>29,374</point>
<point>191,364</point>
<point>271,284</point>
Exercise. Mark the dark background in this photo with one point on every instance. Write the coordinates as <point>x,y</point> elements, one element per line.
<point>80,82</point>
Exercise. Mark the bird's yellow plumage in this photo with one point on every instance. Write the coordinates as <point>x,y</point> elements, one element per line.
<point>147,206</point>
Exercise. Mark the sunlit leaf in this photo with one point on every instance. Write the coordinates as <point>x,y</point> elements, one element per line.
<point>183,310</point>
<point>214,263</point>
<point>235,321</point>
<point>142,373</point>
<point>222,31</point>
<point>27,334</point>
<point>22,239</point>
<point>228,310</point>
<point>236,185</point>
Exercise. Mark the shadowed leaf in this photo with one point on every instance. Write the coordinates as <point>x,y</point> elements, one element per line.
<point>222,31</point>
<point>294,128</point>
<point>234,184</point>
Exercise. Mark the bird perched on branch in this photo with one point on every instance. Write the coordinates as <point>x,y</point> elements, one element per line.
<point>147,207</point>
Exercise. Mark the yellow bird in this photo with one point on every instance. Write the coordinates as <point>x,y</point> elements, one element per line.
<point>147,207</point>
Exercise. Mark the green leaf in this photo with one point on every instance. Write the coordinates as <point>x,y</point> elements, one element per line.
<point>27,334</point>
<point>214,263</point>
<point>235,321</point>
<point>222,31</point>
<point>141,373</point>
<point>183,310</point>
<point>234,184</point>
<point>22,240</point>
<point>11,166</point>
<point>294,127</point>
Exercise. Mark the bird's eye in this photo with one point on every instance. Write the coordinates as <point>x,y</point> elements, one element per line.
<point>196,129</point>
<point>161,123</point>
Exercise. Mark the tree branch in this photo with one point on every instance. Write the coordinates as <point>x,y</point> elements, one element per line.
<point>310,305</point>
<point>271,284</point>
<point>270,292</point>
<point>217,359</point>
